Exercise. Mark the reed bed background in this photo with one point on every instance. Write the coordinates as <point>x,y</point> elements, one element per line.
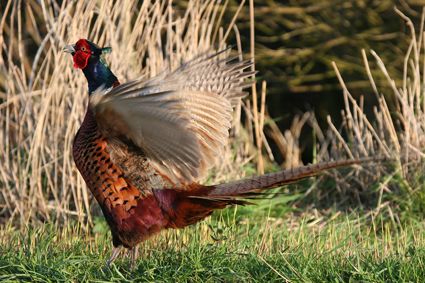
<point>43,99</point>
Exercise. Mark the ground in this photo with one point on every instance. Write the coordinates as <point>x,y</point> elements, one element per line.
<point>260,243</point>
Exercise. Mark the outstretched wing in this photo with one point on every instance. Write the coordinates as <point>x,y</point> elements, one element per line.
<point>179,120</point>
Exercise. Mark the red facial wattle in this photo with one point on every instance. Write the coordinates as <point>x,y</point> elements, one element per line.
<point>81,59</point>
<point>82,54</point>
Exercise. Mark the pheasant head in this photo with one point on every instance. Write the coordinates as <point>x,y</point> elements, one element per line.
<point>87,56</point>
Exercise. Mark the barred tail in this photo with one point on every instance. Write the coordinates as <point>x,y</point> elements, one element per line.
<point>272,180</point>
<point>186,207</point>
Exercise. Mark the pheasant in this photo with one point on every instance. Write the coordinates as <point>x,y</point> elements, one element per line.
<point>144,144</point>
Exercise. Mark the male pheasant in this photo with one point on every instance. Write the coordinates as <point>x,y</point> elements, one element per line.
<point>144,144</point>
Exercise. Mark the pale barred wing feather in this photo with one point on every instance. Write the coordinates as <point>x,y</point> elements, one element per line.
<point>181,131</point>
<point>226,77</point>
<point>180,119</point>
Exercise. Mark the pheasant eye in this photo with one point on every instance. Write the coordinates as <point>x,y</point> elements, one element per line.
<point>83,49</point>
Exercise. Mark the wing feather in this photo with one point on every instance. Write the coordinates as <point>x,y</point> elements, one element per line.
<point>180,119</point>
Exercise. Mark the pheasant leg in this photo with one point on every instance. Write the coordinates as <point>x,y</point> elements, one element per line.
<point>115,252</point>
<point>134,254</point>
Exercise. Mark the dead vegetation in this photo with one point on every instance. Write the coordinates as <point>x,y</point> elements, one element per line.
<point>42,100</point>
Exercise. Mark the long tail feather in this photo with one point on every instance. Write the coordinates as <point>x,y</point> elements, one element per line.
<point>272,180</point>
<point>186,207</point>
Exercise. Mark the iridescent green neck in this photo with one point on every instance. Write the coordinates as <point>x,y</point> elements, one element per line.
<point>98,74</point>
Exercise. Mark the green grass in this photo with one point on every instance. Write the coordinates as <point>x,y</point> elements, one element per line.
<point>240,244</point>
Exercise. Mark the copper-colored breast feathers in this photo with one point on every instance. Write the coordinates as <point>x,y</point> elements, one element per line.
<point>122,182</point>
<point>106,180</point>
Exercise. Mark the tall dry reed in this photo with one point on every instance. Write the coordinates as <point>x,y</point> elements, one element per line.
<point>43,98</point>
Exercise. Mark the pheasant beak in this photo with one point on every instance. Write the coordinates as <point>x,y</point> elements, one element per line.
<point>69,49</point>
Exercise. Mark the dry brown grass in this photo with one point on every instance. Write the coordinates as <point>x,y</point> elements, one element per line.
<point>43,98</point>
<point>395,129</point>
